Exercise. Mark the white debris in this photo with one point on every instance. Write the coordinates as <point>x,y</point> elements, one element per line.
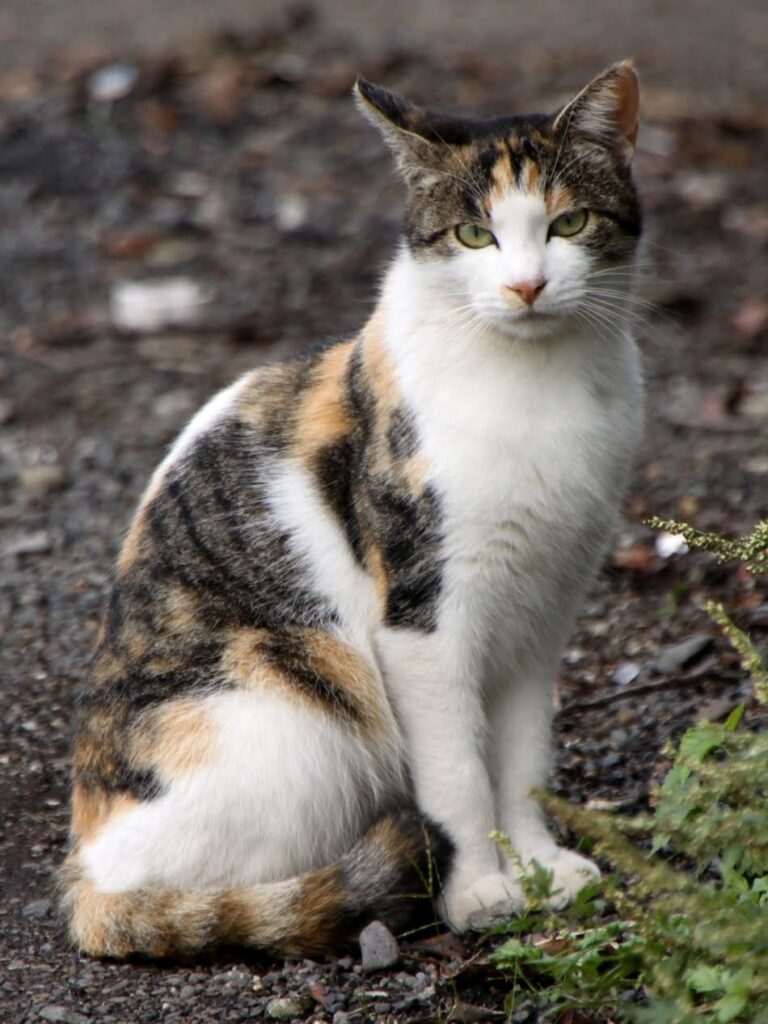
<point>153,305</point>
<point>669,544</point>
<point>112,82</point>
<point>291,212</point>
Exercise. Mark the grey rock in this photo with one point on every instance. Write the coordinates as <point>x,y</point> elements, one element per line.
<point>625,673</point>
<point>378,947</point>
<point>37,909</point>
<point>679,656</point>
<point>62,1015</point>
<point>35,543</point>
<point>288,1007</point>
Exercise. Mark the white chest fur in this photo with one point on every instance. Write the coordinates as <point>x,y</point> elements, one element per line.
<point>529,444</point>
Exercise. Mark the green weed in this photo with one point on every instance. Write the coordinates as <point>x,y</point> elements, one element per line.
<point>679,934</point>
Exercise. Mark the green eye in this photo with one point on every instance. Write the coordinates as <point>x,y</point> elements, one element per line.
<point>568,224</point>
<point>473,236</point>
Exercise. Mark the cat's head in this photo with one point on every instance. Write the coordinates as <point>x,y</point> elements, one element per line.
<point>528,222</point>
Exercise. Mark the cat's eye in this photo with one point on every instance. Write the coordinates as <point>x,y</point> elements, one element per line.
<point>568,224</point>
<point>473,236</point>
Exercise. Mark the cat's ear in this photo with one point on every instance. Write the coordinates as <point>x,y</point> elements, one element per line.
<point>606,110</point>
<point>404,127</point>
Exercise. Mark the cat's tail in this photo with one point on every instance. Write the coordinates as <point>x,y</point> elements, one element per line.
<point>391,872</point>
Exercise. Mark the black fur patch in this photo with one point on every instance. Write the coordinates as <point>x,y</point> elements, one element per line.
<point>290,653</point>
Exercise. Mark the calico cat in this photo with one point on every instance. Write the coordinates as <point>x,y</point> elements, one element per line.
<point>325,673</point>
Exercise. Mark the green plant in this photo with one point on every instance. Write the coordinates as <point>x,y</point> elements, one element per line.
<point>683,924</point>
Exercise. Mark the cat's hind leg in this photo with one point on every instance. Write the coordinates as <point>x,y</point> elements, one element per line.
<point>252,786</point>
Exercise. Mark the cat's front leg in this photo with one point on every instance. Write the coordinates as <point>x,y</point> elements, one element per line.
<point>520,714</point>
<point>439,706</point>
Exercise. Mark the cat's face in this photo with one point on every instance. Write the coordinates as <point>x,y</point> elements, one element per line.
<point>525,223</point>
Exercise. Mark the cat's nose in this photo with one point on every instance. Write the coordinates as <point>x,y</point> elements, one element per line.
<point>528,291</point>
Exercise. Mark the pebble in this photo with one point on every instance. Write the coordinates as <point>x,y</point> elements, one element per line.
<point>62,1015</point>
<point>112,82</point>
<point>378,947</point>
<point>287,1007</point>
<point>625,673</point>
<point>37,909</point>
<point>36,543</point>
<point>678,656</point>
<point>40,480</point>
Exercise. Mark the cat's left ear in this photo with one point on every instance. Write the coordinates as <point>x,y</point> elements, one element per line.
<point>405,128</point>
<point>606,110</point>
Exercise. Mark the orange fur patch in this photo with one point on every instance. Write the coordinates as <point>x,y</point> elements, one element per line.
<point>377,362</point>
<point>180,611</point>
<point>502,178</point>
<point>559,200</point>
<point>174,739</point>
<point>374,562</point>
<point>416,470</point>
<point>106,667</point>
<point>328,658</point>
<point>531,176</point>
<point>132,544</point>
<point>322,417</point>
<point>92,809</point>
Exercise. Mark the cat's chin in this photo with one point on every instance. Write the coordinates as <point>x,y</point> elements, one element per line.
<point>532,327</point>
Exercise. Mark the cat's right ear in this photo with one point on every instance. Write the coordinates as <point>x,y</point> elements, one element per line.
<point>403,126</point>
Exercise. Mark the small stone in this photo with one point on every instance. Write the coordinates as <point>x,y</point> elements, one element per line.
<point>378,947</point>
<point>288,1007</point>
<point>40,480</point>
<point>625,673</point>
<point>62,1015</point>
<point>320,993</point>
<point>186,991</point>
<point>112,82</point>
<point>679,656</point>
<point>37,909</point>
<point>340,1017</point>
<point>35,543</point>
<point>715,710</point>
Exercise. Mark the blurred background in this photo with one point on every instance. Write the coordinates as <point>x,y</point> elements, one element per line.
<point>186,190</point>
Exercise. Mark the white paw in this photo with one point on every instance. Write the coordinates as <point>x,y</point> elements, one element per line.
<point>570,873</point>
<point>489,899</point>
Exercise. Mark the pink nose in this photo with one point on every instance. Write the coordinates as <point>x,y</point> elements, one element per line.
<point>528,291</point>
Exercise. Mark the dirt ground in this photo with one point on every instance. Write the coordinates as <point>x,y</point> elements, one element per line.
<point>234,161</point>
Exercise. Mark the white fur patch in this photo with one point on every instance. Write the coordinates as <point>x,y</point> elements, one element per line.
<point>288,789</point>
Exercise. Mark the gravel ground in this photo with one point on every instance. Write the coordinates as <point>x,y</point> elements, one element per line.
<point>238,165</point>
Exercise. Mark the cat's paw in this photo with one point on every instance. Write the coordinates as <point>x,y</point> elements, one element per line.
<point>570,873</point>
<point>476,907</point>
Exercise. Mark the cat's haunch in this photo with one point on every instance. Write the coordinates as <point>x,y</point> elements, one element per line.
<point>325,673</point>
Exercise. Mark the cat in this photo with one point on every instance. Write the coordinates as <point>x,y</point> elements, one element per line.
<point>325,673</point>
